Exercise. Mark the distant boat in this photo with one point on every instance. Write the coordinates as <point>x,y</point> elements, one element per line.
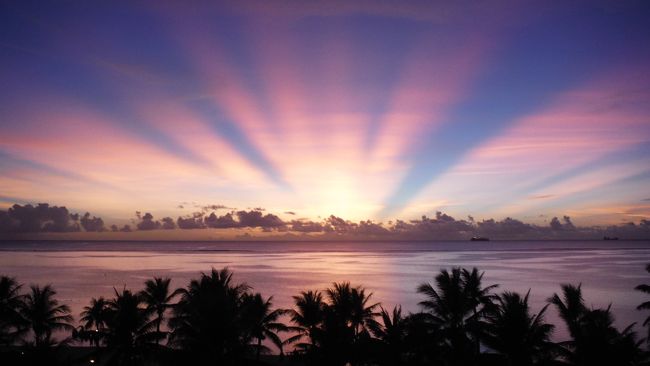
<point>610,237</point>
<point>479,238</point>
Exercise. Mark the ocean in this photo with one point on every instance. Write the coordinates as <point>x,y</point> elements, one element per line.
<point>607,270</point>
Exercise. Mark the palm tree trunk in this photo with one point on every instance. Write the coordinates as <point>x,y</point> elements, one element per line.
<point>158,332</point>
<point>259,347</point>
<point>477,346</point>
<point>160,315</point>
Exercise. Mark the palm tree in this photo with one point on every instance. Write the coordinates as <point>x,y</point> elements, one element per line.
<point>424,342</point>
<point>207,320</point>
<point>11,301</point>
<point>307,316</point>
<point>391,335</point>
<point>44,315</point>
<point>158,299</point>
<point>473,286</point>
<point>571,307</point>
<point>351,305</point>
<point>594,339</point>
<point>348,317</point>
<point>95,319</point>
<point>645,305</point>
<point>263,322</point>
<point>523,339</point>
<point>128,328</point>
<point>458,306</point>
<point>363,314</point>
<point>480,298</point>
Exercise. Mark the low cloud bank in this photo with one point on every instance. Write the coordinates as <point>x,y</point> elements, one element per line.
<point>440,227</point>
<point>92,223</point>
<point>45,218</point>
<point>146,222</point>
<point>251,219</point>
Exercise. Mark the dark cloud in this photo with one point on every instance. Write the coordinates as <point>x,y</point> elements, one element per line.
<point>245,219</point>
<point>628,230</point>
<point>444,217</point>
<point>168,223</point>
<point>223,222</point>
<point>565,225</point>
<point>147,222</point>
<point>5,222</point>
<point>491,228</point>
<point>45,218</point>
<point>124,229</point>
<point>209,208</point>
<point>39,218</point>
<point>442,227</point>
<point>305,226</point>
<point>341,227</point>
<point>255,218</point>
<point>338,225</point>
<point>191,222</point>
<point>289,212</point>
<point>555,224</point>
<point>370,228</point>
<point>92,223</point>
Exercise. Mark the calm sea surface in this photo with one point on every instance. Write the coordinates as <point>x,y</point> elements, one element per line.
<point>608,271</point>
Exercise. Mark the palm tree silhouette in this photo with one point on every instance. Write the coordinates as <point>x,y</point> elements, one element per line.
<point>645,305</point>
<point>218,321</point>
<point>523,338</point>
<point>11,301</point>
<point>307,316</point>
<point>391,335</point>
<point>351,305</point>
<point>44,315</point>
<point>458,305</point>
<point>157,297</point>
<point>338,330</point>
<point>207,320</point>
<point>95,319</point>
<point>594,339</point>
<point>348,317</point>
<point>129,331</point>
<point>424,341</point>
<point>571,307</point>
<point>480,297</point>
<point>263,321</point>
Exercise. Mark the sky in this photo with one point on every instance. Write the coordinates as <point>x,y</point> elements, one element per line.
<point>365,110</point>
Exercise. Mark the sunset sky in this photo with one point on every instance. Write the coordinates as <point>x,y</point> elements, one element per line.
<point>365,110</point>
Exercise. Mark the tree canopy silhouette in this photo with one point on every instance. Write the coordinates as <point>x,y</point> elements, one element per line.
<point>215,320</point>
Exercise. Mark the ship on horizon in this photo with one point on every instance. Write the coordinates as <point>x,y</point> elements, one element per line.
<point>479,238</point>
